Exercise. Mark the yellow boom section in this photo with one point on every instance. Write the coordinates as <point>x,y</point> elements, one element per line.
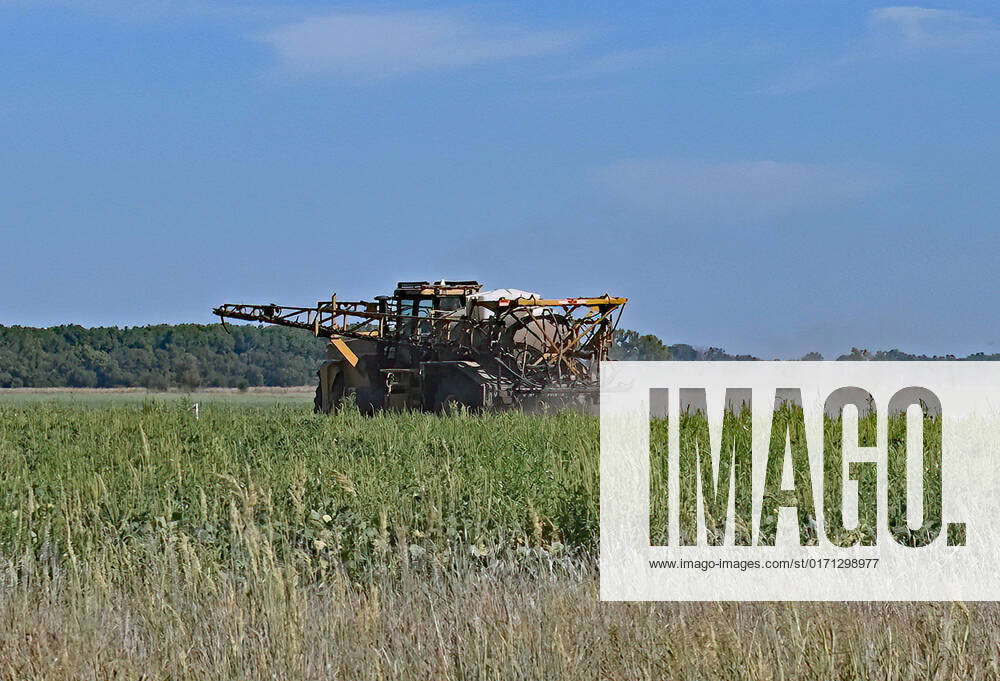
<point>346,351</point>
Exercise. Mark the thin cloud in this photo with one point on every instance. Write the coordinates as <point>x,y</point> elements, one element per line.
<point>897,35</point>
<point>353,45</point>
<point>722,47</point>
<point>700,191</point>
<point>367,46</point>
<point>922,28</point>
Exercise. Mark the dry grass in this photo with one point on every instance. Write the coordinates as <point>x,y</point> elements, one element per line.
<point>138,543</point>
<point>473,626</point>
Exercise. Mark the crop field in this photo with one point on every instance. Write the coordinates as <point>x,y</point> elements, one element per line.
<point>261,541</point>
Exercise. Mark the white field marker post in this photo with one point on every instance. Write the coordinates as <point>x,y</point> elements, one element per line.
<point>197,413</point>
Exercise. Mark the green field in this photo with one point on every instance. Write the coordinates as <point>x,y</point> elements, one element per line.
<point>142,472</point>
<point>261,541</point>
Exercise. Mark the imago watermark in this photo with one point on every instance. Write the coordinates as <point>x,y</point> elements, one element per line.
<point>800,481</point>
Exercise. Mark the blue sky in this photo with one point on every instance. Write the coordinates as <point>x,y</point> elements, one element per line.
<point>770,177</point>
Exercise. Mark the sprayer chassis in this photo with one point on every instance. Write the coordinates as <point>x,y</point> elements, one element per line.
<point>435,346</point>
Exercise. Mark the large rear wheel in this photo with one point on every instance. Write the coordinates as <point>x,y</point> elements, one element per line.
<point>335,398</point>
<point>454,392</point>
<point>369,400</point>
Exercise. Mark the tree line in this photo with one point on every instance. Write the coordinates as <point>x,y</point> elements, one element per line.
<point>632,346</point>
<point>157,357</point>
<point>191,355</point>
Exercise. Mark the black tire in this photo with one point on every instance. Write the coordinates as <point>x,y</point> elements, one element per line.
<point>447,403</point>
<point>369,400</point>
<point>455,391</point>
<point>429,398</point>
<point>337,391</point>
<point>336,395</point>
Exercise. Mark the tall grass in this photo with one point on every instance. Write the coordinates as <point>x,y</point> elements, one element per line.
<point>139,542</point>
